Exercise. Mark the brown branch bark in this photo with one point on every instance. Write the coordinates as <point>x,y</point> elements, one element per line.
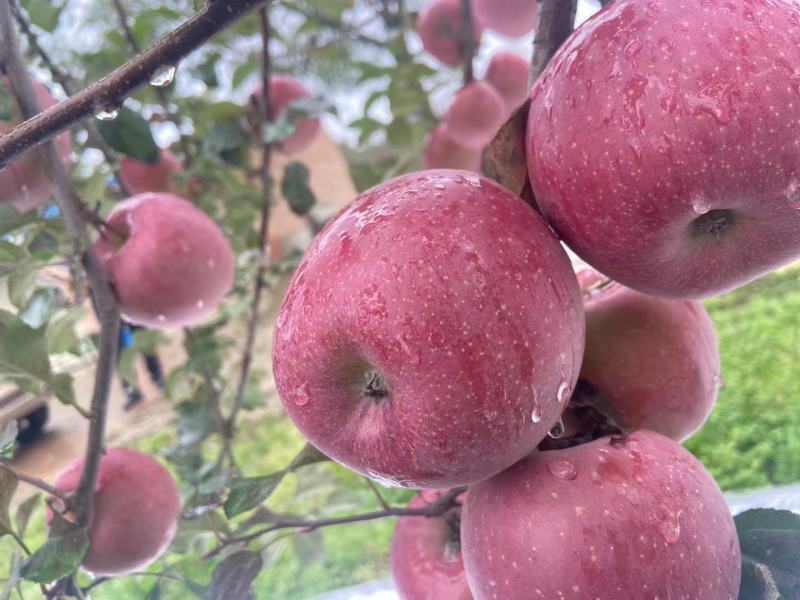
<point>111,90</point>
<point>34,481</point>
<point>73,211</point>
<point>468,42</point>
<point>556,21</point>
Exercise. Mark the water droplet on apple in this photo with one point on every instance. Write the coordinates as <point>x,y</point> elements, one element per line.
<point>700,203</point>
<point>490,415</point>
<point>163,76</point>
<point>108,112</point>
<point>201,304</point>
<point>210,263</point>
<point>302,395</point>
<point>439,186</point>
<point>718,381</point>
<point>384,480</point>
<point>557,431</point>
<point>793,193</point>
<point>563,392</point>
<point>162,318</point>
<point>413,353</point>
<point>669,526</point>
<point>536,415</point>
<point>563,469</point>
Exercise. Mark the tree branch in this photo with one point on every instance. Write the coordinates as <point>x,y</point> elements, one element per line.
<point>72,211</point>
<point>34,481</point>
<point>468,43</point>
<point>556,21</point>
<point>112,89</point>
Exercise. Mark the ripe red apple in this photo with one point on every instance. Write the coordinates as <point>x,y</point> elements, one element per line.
<point>663,143</point>
<point>635,517</point>
<point>140,176</point>
<point>509,73</point>
<point>442,152</point>
<point>432,333</point>
<point>476,114</point>
<point>426,555</point>
<point>173,266</point>
<point>514,18</point>
<point>441,27</point>
<point>24,184</point>
<point>135,514</point>
<point>284,90</point>
<point>650,363</point>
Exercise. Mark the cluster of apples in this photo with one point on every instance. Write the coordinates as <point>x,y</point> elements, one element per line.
<point>481,107</point>
<point>436,336</point>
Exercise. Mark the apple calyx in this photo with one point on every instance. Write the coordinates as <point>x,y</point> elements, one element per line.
<point>715,223</point>
<point>374,386</point>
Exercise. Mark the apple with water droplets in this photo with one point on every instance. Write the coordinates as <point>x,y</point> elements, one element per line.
<point>426,554</point>
<point>169,262</point>
<point>664,144</point>
<point>431,334</point>
<point>140,176</point>
<point>620,517</point>
<point>650,363</point>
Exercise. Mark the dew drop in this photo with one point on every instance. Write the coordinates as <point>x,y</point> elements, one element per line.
<point>563,469</point>
<point>718,381</point>
<point>302,396</point>
<point>384,480</point>
<point>557,431</point>
<point>107,113</point>
<point>163,76</point>
<point>563,392</point>
<point>490,415</point>
<point>670,527</point>
<point>439,186</point>
<point>200,304</point>
<point>162,318</point>
<point>700,203</point>
<point>793,193</point>
<point>413,353</point>
<point>536,415</point>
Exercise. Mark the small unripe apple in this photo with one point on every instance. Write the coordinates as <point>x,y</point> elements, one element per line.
<point>509,74</point>
<point>620,517</point>
<point>649,363</point>
<point>135,511</point>
<point>442,152</point>
<point>432,333</point>
<point>169,262</point>
<point>25,184</point>
<point>664,143</point>
<point>284,90</point>
<point>441,27</point>
<point>514,18</point>
<point>476,114</point>
<point>141,177</point>
<point>426,554</point>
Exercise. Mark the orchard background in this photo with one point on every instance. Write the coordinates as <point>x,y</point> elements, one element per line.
<point>240,463</point>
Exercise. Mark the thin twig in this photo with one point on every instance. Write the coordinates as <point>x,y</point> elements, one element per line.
<point>266,205</point>
<point>72,210</point>
<point>556,20</point>
<point>111,90</point>
<point>377,492</point>
<point>34,481</point>
<point>468,42</point>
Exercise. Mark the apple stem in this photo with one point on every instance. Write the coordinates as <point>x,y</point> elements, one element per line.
<point>467,40</point>
<point>556,21</point>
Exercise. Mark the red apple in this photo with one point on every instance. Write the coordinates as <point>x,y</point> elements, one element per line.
<point>140,176</point>
<point>135,514</point>
<point>649,363</point>
<point>441,28</point>
<point>173,266</point>
<point>284,90</point>
<point>476,114</point>
<point>635,517</point>
<point>432,333</point>
<point>24,184</point>
<point>663,143</point>
<point>509,73</point>
<point>442,152</point>
<point>509,17</point>
<point>426,555</point>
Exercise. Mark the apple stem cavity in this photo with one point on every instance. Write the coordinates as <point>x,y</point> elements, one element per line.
<point>715,223</point>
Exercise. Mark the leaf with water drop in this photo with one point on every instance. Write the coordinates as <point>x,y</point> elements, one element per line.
<point>130,134</point>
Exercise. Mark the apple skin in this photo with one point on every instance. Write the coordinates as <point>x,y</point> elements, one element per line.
<point>426,556</point>
<point>135,514</point>
<point>475,116</point>
<point>141,177</point>
<point>654,362</point>
<point>283,90</point>
<point>442,152</point>
<point>508,73</point>
<point>513,18</point>
<point>636,518</point>
<point>406,309</point>
<point>25,184</point>
<point>175,265</point>
<point>440,26</point>
<point>664,153</point>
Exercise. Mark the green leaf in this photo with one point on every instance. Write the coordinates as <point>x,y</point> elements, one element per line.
<point>309,455</point>
<point>8,485</point>
<point>309,547</point>
<point>44,13</point>
<point>8,439</point>
<point>248,492</point>
<point>20,284</point>
<point>295,188</point>
<point>130,134</point>
<point>11,219</point>
<point>243,71</point>
<point>770,543</point>
<point>61,336</point>
<point>24,512</point>
<point>154,593</point>
<point>233,578</point>
<point>42,305</point>
<point>63,388</point>
<point>207,71</point>
<point>23,349</point>
<point>60,555</point>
